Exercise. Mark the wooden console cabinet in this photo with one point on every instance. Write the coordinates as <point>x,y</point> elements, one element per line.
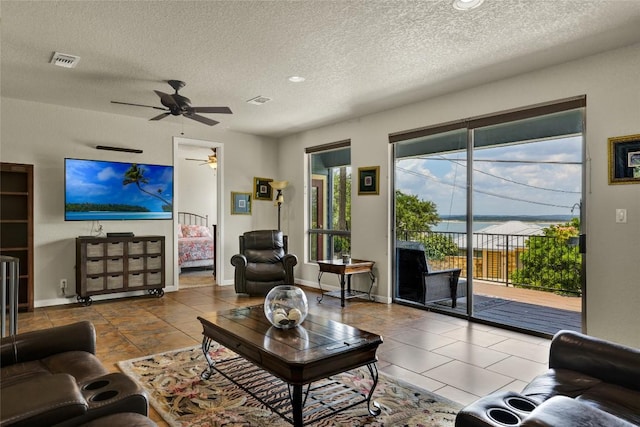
<point>107,265</point>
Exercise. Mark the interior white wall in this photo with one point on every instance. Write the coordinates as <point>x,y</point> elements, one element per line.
<point>196,184</point>
<point>43,135</point>
<point>610,81</point>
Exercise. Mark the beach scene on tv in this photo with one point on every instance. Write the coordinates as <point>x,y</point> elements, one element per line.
<point>102,190</point>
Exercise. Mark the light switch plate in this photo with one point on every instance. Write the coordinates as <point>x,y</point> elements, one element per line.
<point>621,216</point>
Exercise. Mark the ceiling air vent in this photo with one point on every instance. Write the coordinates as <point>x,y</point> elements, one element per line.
<point>259,100</point>
<point>64,60</point>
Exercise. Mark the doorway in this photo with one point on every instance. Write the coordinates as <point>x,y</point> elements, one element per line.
<point>504,195</point>
<point>197,213</point>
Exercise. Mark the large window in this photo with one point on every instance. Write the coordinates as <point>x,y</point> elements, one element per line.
<point>329,200</point>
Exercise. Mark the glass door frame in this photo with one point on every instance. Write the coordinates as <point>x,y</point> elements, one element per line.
<point>471,124</point>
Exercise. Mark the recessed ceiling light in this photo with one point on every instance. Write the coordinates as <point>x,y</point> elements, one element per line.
<point>466,4</point>
<point>296,79</point>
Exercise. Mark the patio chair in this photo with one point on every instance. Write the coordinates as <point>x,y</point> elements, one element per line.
<point>418,282</point>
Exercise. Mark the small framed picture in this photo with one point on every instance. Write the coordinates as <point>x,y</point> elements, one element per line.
<point>240,203</point>
<point>624,159</point>
<point>261,189</point>
<point>368,180</point>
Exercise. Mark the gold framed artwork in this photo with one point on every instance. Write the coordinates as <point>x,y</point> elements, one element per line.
<point>240,203</point>
<point>368,180</point>
<point>624,159</point>
<point>261,189</point>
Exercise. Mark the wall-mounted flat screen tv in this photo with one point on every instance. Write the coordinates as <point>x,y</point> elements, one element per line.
<point>97,190</point>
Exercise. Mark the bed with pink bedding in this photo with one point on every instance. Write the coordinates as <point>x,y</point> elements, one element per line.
<point>196,246</point>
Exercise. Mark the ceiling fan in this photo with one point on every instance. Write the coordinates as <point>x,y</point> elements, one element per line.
<point>178,105</point>
<point>212,160</point>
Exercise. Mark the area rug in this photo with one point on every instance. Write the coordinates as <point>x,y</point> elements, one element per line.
<point>182,398</point>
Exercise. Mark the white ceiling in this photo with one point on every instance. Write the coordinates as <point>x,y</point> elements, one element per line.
<point>358,57</point>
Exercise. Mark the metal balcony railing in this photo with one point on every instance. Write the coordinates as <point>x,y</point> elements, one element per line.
<point>529,261</point>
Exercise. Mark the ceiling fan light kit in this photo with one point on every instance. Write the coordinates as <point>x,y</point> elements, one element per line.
<point>178,105</point>
<point>212,160</point>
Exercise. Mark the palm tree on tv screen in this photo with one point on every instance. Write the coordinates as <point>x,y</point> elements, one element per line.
<point>135,175</point>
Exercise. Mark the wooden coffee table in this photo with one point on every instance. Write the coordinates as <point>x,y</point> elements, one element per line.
<point>303,356</point>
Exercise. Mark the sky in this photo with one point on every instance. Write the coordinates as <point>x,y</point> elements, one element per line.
<point>508,180</point>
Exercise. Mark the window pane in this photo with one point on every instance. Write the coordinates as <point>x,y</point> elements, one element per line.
<point>330,204</point>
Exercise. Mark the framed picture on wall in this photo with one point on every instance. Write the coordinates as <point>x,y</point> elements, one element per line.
<point>368,180</point>
<point>240,203</point>
<point>261,189</point>
<point>624,159</point>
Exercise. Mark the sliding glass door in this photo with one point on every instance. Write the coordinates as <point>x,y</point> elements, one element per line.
<point>504,197</point>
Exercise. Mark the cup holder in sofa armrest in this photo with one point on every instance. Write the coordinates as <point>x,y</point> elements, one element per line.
<point>105,395</point>
<point>500,409</point>
<point>94,385</point>
<point>115,392</point>
<point>503,417</point>
<point>520,403</point>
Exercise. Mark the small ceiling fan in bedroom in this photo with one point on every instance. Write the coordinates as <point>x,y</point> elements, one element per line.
<point>178,105</point>
<point>212,160</point>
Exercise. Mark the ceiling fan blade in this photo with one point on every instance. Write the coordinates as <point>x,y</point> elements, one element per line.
<point>166,99</point>
<point>196,160</point>
<point>138,105</point>
<point>216,110</point>
<point>201,119</point>
<point>160,116</point>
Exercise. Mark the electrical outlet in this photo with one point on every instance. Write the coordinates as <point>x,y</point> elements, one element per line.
<point>63,284</point>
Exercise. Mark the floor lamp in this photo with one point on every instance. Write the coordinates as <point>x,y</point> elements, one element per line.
<point>279,185</point>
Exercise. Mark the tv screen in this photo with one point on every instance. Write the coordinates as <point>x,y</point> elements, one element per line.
<point>97,190</point>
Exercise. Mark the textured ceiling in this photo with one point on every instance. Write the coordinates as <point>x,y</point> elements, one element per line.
<point>358,57</point>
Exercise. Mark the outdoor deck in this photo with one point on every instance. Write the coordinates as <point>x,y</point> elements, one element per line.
<point>543,312</point>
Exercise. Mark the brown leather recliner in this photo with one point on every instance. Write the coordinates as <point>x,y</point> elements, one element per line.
<point>52,377</point>
<point>263,262</point>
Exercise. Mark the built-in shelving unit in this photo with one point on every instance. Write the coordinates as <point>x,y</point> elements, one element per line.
<point>107,265</point>
<point>16,225</point>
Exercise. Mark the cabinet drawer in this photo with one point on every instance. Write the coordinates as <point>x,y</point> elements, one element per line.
<point>115,249</point>
<point>136,263</point>
<point>136,280</point>
<point>154,263</point>
<point>115,282</point>
<point>95,249</point>
<point>95,284</point>
<point>136,247</point>
<point>115,265</point>
<point>95,266</point>
<point>154,246</point>
<point>154,278</point>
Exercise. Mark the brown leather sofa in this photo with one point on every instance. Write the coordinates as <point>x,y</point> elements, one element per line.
<point>590,383</point>
<point>52,377</point>
<point>263,262</point>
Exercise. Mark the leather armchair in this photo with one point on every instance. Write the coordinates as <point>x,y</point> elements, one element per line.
<point>263,262</point>
<point>52,377</point>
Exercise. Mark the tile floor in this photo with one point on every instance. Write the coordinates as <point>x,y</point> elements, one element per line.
<point>449,356</point>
